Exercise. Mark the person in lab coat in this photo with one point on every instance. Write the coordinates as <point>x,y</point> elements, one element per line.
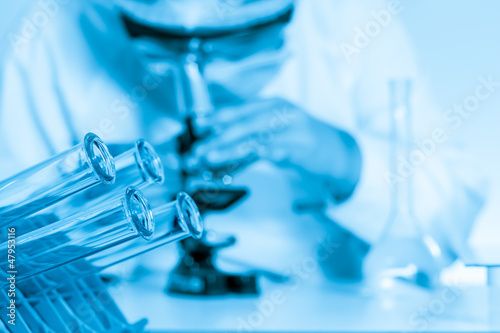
<point>311,96</point>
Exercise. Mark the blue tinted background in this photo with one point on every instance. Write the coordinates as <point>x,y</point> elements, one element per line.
<point>455,43</point>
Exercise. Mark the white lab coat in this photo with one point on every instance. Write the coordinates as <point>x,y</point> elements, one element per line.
<point>350,90</point>
<point>61,71</point>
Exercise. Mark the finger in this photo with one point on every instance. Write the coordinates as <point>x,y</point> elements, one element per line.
<point>235,113</point>
<point>228,160</point>
<point>257,126</point>
<point>239,155</point>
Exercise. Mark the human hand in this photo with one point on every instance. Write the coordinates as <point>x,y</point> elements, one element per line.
<point>280,132</point>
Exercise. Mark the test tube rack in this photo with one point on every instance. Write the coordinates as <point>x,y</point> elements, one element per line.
<point>83,305</point>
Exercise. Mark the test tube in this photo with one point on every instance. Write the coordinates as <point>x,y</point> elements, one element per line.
<point>74,170</point>
<point>174,221</point>
<point>139,167</point>
<point>82,235</point>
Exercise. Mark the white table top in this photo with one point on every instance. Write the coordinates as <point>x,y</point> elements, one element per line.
<point>316,305</point>
<point>313,306</point>
<point>273,237</point>
<point>486,256</point>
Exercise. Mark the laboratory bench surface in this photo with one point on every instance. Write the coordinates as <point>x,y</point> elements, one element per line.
<point>310,305</point>
<point>276,238</point>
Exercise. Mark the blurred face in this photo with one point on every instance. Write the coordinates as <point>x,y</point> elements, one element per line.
<point>240,65</point>
<point>235,62</point>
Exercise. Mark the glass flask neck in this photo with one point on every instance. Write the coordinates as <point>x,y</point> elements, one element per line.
<point>401,221</point>
<point>401,143</point>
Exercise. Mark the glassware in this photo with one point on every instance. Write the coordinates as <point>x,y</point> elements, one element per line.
<point>139,167</point>
<point>81,167</point>
<point>82,235</point>
<point>404,252</point>
<point>174,221</point>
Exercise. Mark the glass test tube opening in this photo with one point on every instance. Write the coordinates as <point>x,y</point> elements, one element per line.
<point>74,170</point>
<point>139,167</point>
<point>99,159</point>
<point>188,215</point>
<point>139,213</point>
<point>174,221</point>
<point>84,234</point>
<point>150,162</point>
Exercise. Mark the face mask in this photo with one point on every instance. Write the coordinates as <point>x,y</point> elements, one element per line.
<point>244,78</point>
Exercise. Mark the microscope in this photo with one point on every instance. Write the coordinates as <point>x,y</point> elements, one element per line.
<point>196,272</point>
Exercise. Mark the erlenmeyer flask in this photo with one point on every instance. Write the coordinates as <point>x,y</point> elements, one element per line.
<point>404,251</point>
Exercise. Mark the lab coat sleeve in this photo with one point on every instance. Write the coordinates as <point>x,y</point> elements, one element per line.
<point>367,209</point>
